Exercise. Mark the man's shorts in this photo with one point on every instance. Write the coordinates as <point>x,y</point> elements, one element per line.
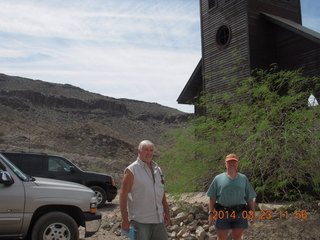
<point>150,231</point>
<point>231,222</point>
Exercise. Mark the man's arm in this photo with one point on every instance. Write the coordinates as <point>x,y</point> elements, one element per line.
<point>252,206</point>
<point>212,204</point>
<point>167,220</point>
<point>126,186</point>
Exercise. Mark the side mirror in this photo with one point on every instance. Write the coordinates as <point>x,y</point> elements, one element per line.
<point>6,178</point>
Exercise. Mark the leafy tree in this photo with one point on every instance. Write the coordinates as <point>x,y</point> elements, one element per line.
<point>267,122</point>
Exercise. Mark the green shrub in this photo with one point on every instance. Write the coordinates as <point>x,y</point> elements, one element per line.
<point>267,122</point>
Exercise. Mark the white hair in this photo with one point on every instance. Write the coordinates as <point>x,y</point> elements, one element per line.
<point>145,143</point>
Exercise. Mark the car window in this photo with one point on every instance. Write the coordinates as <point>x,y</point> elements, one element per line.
<point>16,170</point>
<point>14,158</point>
<point>32,163</point>
<point>56,164</point>
<point>2,168</point>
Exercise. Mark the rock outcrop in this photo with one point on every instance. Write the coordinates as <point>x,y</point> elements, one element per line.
<point>98,132</point>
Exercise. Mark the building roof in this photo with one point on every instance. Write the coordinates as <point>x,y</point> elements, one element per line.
<point>194,83</point>
<point>294,27</point>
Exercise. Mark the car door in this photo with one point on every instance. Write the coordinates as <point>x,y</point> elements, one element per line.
<point>11,206</point>
<point>60,168</point>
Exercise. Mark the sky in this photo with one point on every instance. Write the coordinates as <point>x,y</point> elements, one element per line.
<point>137,49</point>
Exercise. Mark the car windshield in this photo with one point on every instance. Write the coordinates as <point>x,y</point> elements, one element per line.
<point>13,167</point>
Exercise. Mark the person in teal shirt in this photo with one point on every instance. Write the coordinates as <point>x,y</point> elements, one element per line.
<point>231,201</point>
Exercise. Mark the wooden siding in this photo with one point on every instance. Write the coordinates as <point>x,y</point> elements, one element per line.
<point>262,33</point>
<point>294,51</point>
<point>289,9</point>
<point>221,65</point>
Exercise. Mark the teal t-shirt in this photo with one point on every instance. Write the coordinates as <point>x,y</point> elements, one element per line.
<point>230,192</point>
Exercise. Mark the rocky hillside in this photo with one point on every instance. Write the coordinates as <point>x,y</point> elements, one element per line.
<point>97,132</point>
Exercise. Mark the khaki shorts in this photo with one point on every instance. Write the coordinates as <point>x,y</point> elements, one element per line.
<point>150,231</point>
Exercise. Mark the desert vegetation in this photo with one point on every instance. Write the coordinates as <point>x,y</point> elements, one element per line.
<point>267,122</point>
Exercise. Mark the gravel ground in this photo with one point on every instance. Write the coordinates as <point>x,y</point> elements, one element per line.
<point>270,229</point>
<point>109,209</point>
<point>114,208</point>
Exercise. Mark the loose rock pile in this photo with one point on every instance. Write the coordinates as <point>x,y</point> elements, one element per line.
<point>188,221</point>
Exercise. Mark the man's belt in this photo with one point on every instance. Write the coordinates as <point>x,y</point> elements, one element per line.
<point>236,208</point>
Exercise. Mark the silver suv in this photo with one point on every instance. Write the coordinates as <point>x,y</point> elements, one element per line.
<point>57,167</point>
<point>41,208</point>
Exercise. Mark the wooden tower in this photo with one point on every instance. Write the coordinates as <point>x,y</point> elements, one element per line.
<point>241,35</point>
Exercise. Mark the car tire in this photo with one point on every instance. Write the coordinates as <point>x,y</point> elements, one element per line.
<point>100,194</point>
<point>55,225</point>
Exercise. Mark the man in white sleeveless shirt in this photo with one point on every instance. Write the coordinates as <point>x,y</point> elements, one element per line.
<point>143,202</point>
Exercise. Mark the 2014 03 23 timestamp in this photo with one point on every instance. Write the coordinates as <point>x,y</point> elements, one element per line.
<point>262,215</point>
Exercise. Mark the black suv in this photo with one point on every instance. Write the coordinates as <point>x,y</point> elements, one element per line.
<point>51,166</point>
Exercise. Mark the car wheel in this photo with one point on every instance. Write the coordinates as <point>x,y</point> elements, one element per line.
<point>55,225</point>
<point>100,194</point>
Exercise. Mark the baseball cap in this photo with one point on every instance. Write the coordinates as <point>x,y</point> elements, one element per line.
<point>232,156</point>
